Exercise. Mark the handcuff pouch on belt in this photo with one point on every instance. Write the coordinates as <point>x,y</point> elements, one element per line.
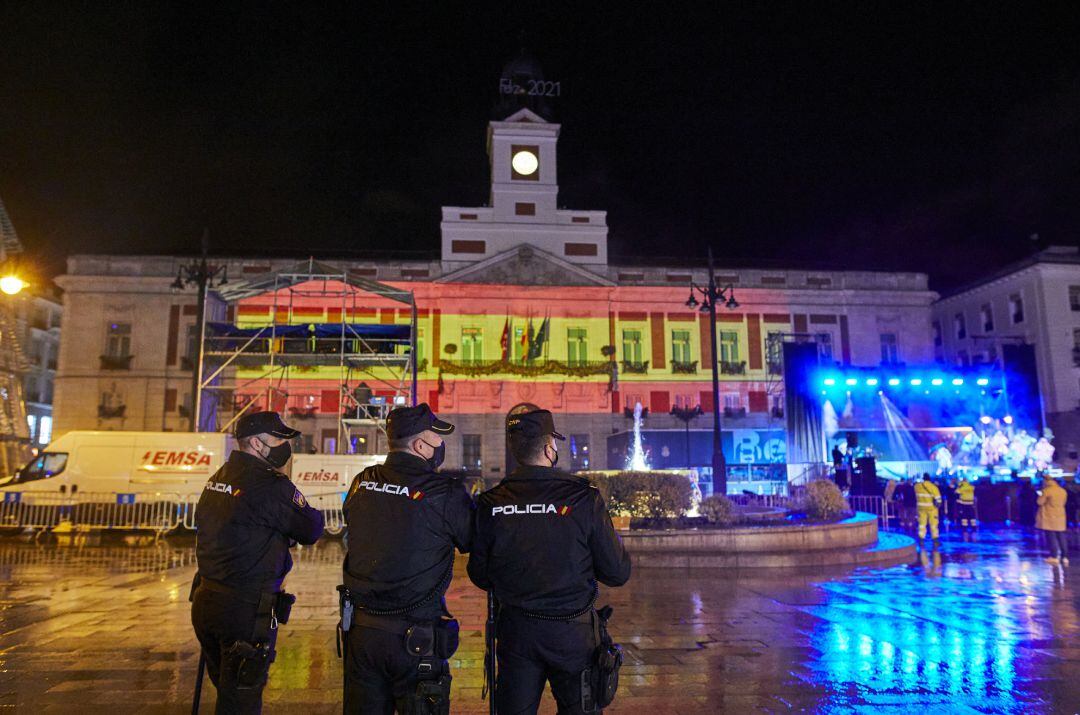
<point>600,680</point>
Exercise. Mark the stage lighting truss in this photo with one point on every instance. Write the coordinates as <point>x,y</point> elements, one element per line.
<point>873,381</point>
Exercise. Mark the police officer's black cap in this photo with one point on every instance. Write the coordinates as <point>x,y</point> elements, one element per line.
<point>407,421</point>
<point>263,423</point>
<point>537,423</point>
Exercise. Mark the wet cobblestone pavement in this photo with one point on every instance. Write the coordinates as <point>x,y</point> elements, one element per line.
<point>983,626</point>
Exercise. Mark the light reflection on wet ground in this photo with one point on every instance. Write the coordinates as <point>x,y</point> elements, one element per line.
<point>982,626</point>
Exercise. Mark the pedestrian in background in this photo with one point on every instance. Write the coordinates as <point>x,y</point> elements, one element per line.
<point>1051,520</point>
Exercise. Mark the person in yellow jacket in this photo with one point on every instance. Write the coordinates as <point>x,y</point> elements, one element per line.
<point>965,503</point>
<point>928,499</point>
<point>1051,520</point>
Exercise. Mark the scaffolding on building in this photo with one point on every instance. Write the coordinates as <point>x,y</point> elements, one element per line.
<point>15,449</point>
<point>375,361</point>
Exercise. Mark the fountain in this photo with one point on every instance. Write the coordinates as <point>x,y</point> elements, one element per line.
<point>636,461</point>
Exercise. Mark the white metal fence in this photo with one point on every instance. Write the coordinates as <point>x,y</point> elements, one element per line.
<point>159,512</point>
<point>870,504</point>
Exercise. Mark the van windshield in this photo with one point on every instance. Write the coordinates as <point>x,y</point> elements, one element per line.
<point>47,464</point>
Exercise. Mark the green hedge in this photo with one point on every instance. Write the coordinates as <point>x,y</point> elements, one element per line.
<point>643,494</point>
<point>823,500</point>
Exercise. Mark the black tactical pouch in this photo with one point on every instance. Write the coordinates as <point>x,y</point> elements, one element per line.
<point>601,680</point>
<point>431,697</point>
<point>245,665</point>
<point>283,604</point>
<point>447,637</point>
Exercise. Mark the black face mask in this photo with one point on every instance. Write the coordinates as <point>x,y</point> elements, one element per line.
<point>437,456</point>
<point>556,460</point>
<point>279,455</point>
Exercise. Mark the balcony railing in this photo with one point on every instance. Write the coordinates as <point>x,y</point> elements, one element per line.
<point>187,363</point>
<point>473,368</point>
<point>634,368</point>
<point>732,368</point>
<point>116,362</point>
<point>734,412</point>
<point>775,367</point>
<point>684,368</point>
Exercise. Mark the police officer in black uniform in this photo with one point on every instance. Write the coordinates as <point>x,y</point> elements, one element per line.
<point>248,517</point>
<point>404,521</point>
<point>543,540</point>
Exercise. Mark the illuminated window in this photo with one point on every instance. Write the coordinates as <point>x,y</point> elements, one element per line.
<point>729,346</point>
<point>1016,308</point>
<point>472,345</point>
<point>577,346</point>
<point>824,343</point>
<point>45,430</point>
<point>680,346</point>
<point>519,351</point>
<point>986,313</point>
<point>118,340</point>
<point>470,453</point>
<point>579,452</point>
<point>889,352</point>
<point>631,346</point>
<point>960,326</point>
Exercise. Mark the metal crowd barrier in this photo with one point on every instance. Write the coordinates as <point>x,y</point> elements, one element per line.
<point>872,505</point>
<point>157,512</point>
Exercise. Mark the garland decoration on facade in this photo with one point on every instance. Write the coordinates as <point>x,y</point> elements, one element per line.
<point>525,369</point>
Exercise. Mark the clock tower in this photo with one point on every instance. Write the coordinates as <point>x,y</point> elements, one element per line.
<point>522,146</point>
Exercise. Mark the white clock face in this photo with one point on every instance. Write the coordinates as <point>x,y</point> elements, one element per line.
<point>525,163</point>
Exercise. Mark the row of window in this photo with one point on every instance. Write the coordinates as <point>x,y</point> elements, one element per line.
<point>576,450</point>
<point>986,318</point>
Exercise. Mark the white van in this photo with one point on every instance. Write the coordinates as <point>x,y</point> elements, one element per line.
<point>124,462</point>
<point>317,474</point>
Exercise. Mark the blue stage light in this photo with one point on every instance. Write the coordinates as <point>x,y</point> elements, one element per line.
<point>871,381</point>
<point>894,381</point>
<point>851,381</point>
<point>958,381</point>
<point>937,381</point>
<point>829,381</point>
<point>982,381</point>
<point>916,381</point>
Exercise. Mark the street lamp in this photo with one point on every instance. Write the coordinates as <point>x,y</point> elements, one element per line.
<point>202,275</point>
<point>710,298</point>
<point>686,415</point>
<point>12,284</point>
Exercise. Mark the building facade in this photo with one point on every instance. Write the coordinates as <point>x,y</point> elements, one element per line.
<point>39,317</point>
<point>1037,302</point>
<point>522,306</point>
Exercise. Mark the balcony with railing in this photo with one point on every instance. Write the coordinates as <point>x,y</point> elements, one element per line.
<point>116,362</point>
<point>732,368</point>
<point>528,368</point>
<point>684,368</point>
<point>631,367</point>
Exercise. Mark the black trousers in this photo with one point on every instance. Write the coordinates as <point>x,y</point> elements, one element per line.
<point>220,620</point>
<point>532,652</point>
<point>379,672</point>
<point>1058,543</point>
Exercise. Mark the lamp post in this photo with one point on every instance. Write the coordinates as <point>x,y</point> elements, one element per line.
<point>687,415</point>
<point>710,296</point>
<point>200,274</point>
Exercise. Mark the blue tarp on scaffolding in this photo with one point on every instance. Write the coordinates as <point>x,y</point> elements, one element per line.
<point>313,330</point>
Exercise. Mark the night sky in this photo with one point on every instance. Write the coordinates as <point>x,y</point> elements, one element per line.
<point>870,135</point>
